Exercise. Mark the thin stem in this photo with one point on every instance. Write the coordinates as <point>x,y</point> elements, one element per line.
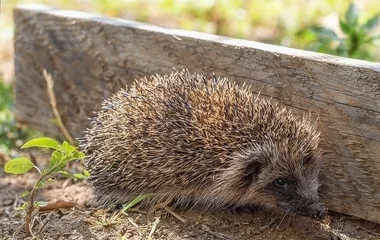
<point>29,212</point>
<point>31,207</point>
<point>39,171</point>
<point>53,103</point>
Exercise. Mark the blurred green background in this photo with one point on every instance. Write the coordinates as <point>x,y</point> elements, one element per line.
<point>328,26</point>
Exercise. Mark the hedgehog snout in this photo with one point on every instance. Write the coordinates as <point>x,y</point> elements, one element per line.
<point>317,211</point>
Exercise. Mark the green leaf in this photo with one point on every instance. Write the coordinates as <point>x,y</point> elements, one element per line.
<point>86,173</point>
<point>324,33</point>
<point>56,161</point>
<point>80,176</point>
<point>352,15</point>
<point>41,203</point>
<point>371,24</point>
<point>24,206</point>
<point>371,39</point>
<point>78,155</point>
<point>135,201</point>
<point>321,47</point>
<point>67,148</point>
<point>65,173</point>
<point>25,194</point>
<point>341,50</point>
<point>358,38</point>
<point>75,156</point>
<point>43,142</point>
<point>345,27</point>
<point>18,166</point>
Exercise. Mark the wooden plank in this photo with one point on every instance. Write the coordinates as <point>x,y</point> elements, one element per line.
<point>92,56</point>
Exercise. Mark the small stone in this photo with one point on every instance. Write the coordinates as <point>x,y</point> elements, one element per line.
<point>8,202</point>
<point>263,228</point>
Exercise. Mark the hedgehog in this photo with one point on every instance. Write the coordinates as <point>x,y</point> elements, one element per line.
<point>187,138</point>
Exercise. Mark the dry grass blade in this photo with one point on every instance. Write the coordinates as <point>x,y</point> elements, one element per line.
<point>166,208</point>
<point>154,226</point>
<point>53,103</point>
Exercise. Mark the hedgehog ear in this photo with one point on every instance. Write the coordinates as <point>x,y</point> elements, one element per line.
<point>252,170</point>
<point>308,159</point>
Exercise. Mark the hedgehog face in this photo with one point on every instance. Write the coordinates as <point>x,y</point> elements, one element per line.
<point>284,180</point>
<point>297,195</point>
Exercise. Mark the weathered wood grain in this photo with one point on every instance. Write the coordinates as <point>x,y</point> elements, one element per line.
<point>91,57</point>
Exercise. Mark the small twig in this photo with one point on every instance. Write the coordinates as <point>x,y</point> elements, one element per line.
<point>136,227</point>
<point>154,226</point>
<point>219,235</point>
<point>166,208</point>
<point>44,223</point>
<point>17,230</point>
<point>336,232</point>
<point>53,103</point>
<point>341,235</point>
<point>369,231</point>
<point>32,224</point>
<point>175,214</point>
<point>66,182</point>
<point>16,201</point>
<point>132,222</point>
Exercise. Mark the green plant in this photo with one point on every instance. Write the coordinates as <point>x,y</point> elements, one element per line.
<point>62,154</point>
<point>12,134</point>
<point>357,40</point>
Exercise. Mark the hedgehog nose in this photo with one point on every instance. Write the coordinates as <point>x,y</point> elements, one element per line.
<point>318,211</point>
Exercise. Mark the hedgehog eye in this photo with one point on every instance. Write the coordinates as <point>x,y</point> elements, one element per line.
<point>279,182</point>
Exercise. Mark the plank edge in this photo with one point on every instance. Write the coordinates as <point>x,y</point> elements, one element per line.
<point>276,50</point>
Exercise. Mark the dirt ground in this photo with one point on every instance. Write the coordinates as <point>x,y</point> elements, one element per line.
<point>84,222</point>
